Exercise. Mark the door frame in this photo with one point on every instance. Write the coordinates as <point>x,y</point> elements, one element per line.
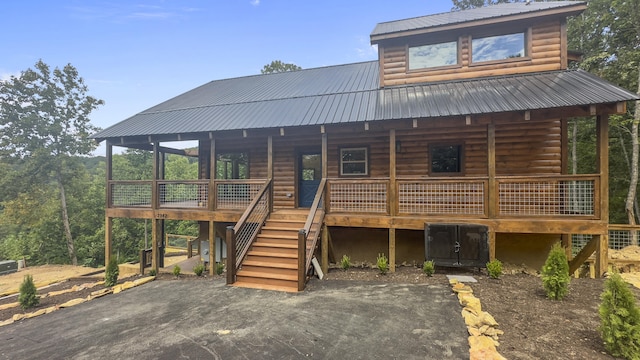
<point>308,150</point>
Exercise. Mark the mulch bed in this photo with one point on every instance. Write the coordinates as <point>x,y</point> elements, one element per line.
<point>535,327</point>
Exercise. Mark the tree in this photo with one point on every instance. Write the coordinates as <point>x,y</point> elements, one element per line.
<point>278,66</point>
<point>44,123</point>
<point>471,4</point>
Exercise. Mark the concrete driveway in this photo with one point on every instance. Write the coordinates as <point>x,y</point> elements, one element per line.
<point>207,320</point>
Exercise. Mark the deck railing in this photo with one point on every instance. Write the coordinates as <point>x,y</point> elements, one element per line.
<point>240,236</point>
<point>135,193</point>
<point>358,196</point>
<point>308,236</point>
<point>235,194</point>
<point>459,196</point>
<point>565,195</point>
<point>183,194</point>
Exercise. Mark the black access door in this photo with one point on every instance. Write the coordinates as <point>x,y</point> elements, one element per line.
<point>309,177</point>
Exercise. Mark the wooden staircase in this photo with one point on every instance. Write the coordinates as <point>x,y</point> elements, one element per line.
<point>272,260</point>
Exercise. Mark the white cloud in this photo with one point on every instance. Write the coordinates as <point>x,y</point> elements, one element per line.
<point>365,50</point>
<point>255,2</point>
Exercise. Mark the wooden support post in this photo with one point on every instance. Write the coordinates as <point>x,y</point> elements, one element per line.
<point>584,254</point>
<point>602,254</point>
<point>325,166</point>
<point>156,238</point>
<point>602,249</point>
<point>212,175</point>
<point>392,250</point>
<point>491,161</point>
<point>302,259</point>
<point>108,235</point>
<point>324,249</point>
<point>231,255</point>
<point>212,248</point>
<point>566,244</point>
<point>492,244</point>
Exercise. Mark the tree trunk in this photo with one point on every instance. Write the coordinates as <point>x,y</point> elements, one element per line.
<point>65,220</point>
<point>633,184</point>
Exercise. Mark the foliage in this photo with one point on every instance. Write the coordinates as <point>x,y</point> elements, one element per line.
<point>176,270</point>
<point>555,273</point>
<point>44,123</point>
<point>429,268</point>
<point>470,4</point>
<point>382,263</point>
<point>278,66</point>
<point>111,273</point>
<point>198,269</point>
<point>152,272</point>
<point>345,262</point>
<point>494,268</point>
<point>620,319</point>
<point>28,297</point>
<point>219,268</point>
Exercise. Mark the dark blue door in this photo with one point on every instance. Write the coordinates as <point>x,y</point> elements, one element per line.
<point>309,176</point>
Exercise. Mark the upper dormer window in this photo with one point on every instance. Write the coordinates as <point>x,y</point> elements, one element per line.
<point>433,55</point>
<point>499,47</point>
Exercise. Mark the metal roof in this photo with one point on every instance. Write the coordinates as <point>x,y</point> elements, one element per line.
<point>463,16</point>
<point>351,93</point>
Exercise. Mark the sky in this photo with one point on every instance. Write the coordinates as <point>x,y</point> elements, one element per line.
<point>135,54</point>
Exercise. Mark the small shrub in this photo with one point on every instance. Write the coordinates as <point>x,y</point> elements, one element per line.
<point>382,263</point>
<point>429,268</point>
<point>619,319</point>
<point>111,273</point>
<point>28,297</point>
<point>219,268</point>
<point>198,269</point>
<point>152,272</point>
<point>494,268</point>
<point>176,270</point>
<point>345,263</point>
<point>555,273</point>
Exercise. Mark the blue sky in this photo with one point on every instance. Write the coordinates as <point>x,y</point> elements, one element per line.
<point>136,54</point>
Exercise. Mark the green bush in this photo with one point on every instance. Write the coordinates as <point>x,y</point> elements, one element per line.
<point>619,319</point>
<point>152,272</point>
<point>111,273</point>
<point>429,268</point>
<point>494,268</point>
<point>28,297</point>
<point>555,273</point>
<point>345,263</point>
<point>219,268</point>
<point>382,263</point>
<point>176,270</point>
<point>198,269</point>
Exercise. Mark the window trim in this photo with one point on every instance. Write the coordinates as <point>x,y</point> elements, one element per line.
<point>366,161</point>
<point>527,47</point>
<point>461,161</point>
<point>458,63</point>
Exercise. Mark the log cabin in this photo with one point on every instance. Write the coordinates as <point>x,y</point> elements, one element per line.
<point>460,124</point>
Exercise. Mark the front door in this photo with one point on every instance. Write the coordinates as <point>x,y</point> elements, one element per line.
<point>309,176</point>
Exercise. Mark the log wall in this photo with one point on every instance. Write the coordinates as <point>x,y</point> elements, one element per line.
<point>545,47</point>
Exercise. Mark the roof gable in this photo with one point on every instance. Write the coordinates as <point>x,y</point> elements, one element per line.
<point>472,17</point>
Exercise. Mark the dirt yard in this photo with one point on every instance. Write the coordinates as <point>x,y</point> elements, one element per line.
<point>42,276</point>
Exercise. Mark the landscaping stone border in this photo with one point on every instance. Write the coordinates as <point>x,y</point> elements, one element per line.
<point>94,295</point>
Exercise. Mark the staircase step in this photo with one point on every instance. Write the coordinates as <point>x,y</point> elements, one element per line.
<point>287,288</point>
<point>273,254</point>
<point>279,232</point>
<point>263,281</point>
<point>292,236</point>
<point>271,262</point>
<point>285,224</point>
<point>293,276</point>
<point>276,243</point>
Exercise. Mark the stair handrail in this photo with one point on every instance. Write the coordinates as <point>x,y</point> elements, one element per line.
<point>241,236</point>
<point>311,240</point>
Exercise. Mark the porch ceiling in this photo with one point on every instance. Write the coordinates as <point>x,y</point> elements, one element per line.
<point>350,93</point>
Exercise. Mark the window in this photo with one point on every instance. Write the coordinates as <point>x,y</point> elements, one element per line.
<point>232,166</point>
<point>434,55</point>
<point>354,161</point>
<point>498,47</point>
<point>445,159</point>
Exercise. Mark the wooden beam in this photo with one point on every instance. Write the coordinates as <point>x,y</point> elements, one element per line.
<point>231,255</point>
<point>156,173</point>
<point>212,174</point>
<point>584,254</point>
<point>155,240</point>
<point>527,115</point>
<point>392,250</point>
<point>302,259</point>
<point>270,157</point>
<point>602,254</point>
<point>492,244</point>
<point>467,120</point>
<point>603,165</point>
<point>415,123</point>
<point>325,160</point>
